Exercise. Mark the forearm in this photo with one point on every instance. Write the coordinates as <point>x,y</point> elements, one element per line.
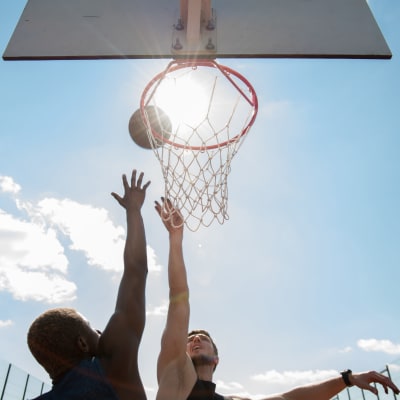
<point>135,255</point>
<point>174,339</point>
<point>131,293</point>
<point>331,387</point>
<point>176,268</point>
<point>318,391</point>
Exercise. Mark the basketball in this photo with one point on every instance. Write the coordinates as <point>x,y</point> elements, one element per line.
<point>159,122</point>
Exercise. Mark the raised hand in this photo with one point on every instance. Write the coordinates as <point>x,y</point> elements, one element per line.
<point>171,216</point>
<point>134,194</point>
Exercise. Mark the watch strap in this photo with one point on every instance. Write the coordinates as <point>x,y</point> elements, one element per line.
<point>345,377</point>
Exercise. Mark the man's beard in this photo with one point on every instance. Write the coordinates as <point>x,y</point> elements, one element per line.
<point>202,359</point>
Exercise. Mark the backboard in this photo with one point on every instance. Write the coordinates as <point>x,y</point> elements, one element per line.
<point>131,29</point>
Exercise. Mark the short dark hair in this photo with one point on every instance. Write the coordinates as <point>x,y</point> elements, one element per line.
<point>53,339</point>
<point>203,332</point>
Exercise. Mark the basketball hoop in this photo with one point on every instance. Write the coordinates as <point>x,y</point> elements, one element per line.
<point>211,108</point>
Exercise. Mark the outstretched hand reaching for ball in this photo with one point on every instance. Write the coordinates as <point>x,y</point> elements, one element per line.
<point>171,216</point>
<point>134,194</point>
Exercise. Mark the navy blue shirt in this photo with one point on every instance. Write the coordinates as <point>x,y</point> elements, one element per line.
<point>86,381</point>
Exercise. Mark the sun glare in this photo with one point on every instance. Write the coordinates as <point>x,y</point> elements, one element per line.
<point>184,100</point>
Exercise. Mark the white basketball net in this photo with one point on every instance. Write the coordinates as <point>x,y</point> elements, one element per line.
<point>211,108</point>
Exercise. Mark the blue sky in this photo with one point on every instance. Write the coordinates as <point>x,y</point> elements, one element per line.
<point>302,281</point>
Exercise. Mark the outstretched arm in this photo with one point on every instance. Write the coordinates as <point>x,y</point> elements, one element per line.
<point>175,372</point>
<point>329,388</point>
<point>131,294</point>
<point>119,343</point>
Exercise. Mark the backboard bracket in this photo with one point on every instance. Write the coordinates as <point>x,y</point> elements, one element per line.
<point>195,33</point>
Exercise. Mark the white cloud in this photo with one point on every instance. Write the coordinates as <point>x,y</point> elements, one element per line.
<point>33,265</point>
<point>347,349</point>
<point>89,229</point>
<point>229,386</point>
<point>394,367</point>
<point>236,390</point>
<point>6,323</point>
<point>39,286</point>
<point>294,378</point>
<point>32,262</point>
<point>384,346</point>
<point>152,261</point>
<point>158,310</point>
<point>7,185</point>
<point>92,232</point>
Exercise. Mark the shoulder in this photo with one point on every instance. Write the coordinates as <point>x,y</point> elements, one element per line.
<point>176,381</point>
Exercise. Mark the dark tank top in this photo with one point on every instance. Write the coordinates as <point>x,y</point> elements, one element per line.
<point>86,381</point>
<point>204,390</point>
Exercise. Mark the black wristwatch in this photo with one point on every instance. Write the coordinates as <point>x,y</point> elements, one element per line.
<point>345,376</point>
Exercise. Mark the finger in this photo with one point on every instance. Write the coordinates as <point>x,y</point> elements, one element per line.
<point>146,185</point>
<point>125,182</point>
<point>169,206</point>
<point>133,178</point>
<point>394,388</point>
<point>139,181</point>
<point>158,207</point>
<point>168,210</point>
<point>116,197</point>
<point>386,389</point>
<point>372,389</point>
<point>384,381</point>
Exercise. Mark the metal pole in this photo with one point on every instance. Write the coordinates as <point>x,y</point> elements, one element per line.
<point>26,386</point>
<point>390,377</point>
<point>5,382</point>
<point>377,396</point>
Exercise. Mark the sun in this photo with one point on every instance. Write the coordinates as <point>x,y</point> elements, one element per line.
<point>184,100</point>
